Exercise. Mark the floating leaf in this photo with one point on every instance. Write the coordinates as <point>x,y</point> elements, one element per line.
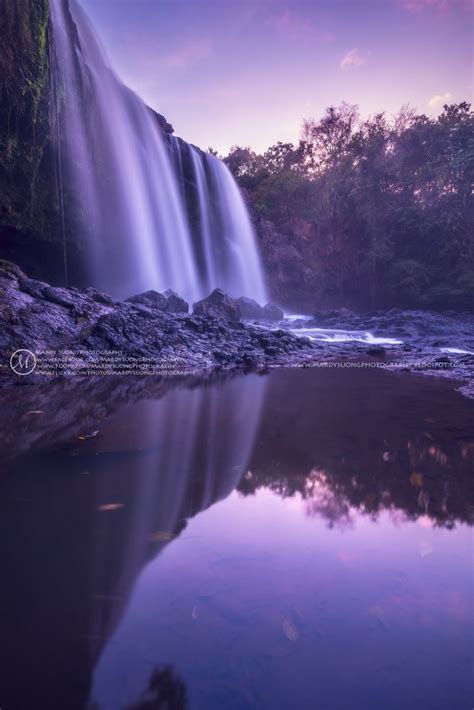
<point>161,536</point>
<point>387,456</point>
<point>111,506</point>
<point>88,436</point>
<point>290,630</point>
<point>424,549</point>
<point>36,411</point>
<point>416,479</point>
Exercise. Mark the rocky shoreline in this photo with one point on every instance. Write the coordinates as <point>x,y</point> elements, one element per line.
<point>75,331</point>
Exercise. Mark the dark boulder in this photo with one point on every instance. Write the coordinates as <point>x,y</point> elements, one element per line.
<point>272,312</point>
<point>218,305</point>
<point>151,299</point>
<point>10,270</point>
<point>176,304</point>
<point>249,309</point>
<point>376,351</point>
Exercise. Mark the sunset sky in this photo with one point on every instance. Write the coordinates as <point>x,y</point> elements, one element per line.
<point>247,72</point>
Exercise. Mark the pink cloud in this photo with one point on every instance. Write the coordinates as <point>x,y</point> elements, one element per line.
<point>441,5</point>
<point>293,25</point>
<point>440,99</point>
<point>188,54</point>
<point>354,59</point>
<point>288,23</point>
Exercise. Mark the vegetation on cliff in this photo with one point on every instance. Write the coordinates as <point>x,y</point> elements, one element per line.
<point>28,204</point>
<point>368,213</point>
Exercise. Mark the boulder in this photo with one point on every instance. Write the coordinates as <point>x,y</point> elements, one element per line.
<point>176,304</point>
<point>376,351</point>
<point>10,270</point>
<point>151,299</point>
<point>249,309</point>
<point>272,312</point>
<point>218,305</point>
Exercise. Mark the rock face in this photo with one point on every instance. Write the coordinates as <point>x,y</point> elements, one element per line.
<point>249,309</point>
<point>176,304</point>
<point>218,305</point>
<point>25,155</point>
<point>272,312</point>
<point>37,316</point>
<point>151,299</point>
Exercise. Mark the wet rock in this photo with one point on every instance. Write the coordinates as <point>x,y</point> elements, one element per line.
<point>99,296</point>
<point>340,313</point>
<point>32,288</point>
<point>151,299</point>
<point>250,309</point>
<point>272,312</point>
<point>176,304</point>
<point>10,270</point>
<point>218,305</point>
<point>376,351</point>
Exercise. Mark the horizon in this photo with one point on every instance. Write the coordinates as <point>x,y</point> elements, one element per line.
<point>249,73</point>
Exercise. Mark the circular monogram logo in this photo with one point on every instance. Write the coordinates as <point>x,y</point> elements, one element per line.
<point>23,362</point>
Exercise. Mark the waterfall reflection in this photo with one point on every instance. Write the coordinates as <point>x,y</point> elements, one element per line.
<point>176,457</point>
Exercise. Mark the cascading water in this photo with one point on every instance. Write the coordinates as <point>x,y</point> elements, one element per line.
<point>130,188</point>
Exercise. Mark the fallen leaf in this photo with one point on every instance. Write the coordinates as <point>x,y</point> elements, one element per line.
<point>290,630</point>
<point>161,536</point>
<point>89,436</point>
<point>416,479</point>
<point>35,411</point>
<point>387,456</point>
<point>111,506</point>
<point>424,549</point>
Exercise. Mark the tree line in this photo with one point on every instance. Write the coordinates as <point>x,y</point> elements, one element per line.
<point>394,193</point>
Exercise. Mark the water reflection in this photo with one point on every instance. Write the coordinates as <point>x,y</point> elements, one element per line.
<point>334,488</point>
<point>164,461</point>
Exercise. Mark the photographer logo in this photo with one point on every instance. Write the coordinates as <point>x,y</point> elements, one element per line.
<point>23,362</point>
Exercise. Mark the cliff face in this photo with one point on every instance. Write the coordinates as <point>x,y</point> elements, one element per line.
<point>306,267</point>
<point>29,223</point>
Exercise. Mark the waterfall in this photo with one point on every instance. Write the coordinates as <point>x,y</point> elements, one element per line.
<point>131,187</point>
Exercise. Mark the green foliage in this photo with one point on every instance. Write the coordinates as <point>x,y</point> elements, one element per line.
<point>394,196</point>
<point>26,165</point>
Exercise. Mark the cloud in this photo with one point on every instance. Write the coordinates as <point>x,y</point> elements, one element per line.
<point>188,54</point>
<point>289,24</point>
<point>440,99</point>
<point>442,5</point>
<point>293,25</point>
<point>354,59</point>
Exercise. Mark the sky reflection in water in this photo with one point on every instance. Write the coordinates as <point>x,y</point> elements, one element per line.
<point>300,540</point>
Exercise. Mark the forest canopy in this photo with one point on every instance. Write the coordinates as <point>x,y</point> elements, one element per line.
<point>395,194</point>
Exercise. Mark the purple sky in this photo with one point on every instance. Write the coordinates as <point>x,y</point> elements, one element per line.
<point>247,72</point>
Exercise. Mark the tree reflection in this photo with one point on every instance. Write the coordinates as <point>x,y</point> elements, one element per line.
<point>397,452</point>
<point>166,691</point>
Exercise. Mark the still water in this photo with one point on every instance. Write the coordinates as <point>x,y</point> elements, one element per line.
<point>301,540</point>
